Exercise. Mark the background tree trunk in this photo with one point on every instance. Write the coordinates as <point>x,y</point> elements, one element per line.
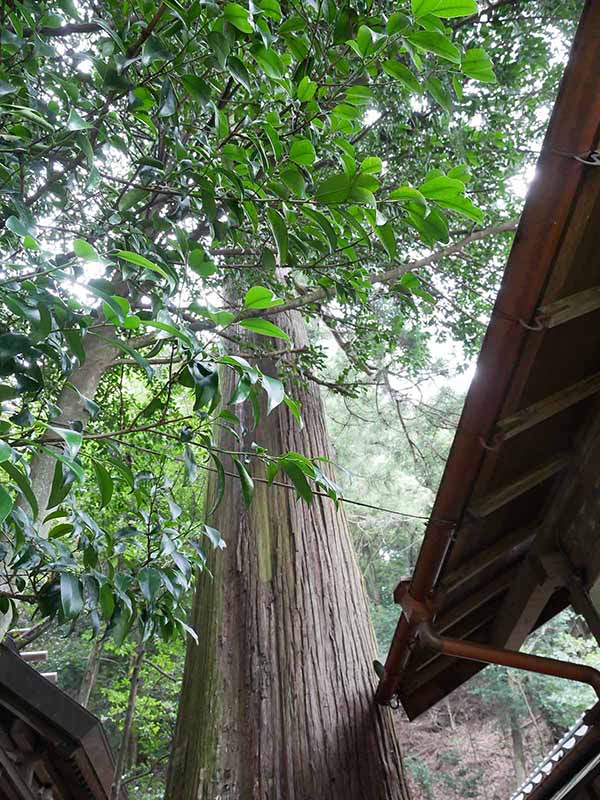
<point>277,699</point>
<point>85,378</point>
<point>88,680</point>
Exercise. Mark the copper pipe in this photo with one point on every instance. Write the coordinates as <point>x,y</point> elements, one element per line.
<point>473,651</point>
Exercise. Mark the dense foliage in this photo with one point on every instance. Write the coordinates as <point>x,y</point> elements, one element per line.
<point>150,156</point>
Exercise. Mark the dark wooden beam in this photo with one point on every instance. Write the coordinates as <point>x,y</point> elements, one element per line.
<point>553,404</point>
<point>451,616</point>
<point>488,503</point>
<point>568,308</point>
<point>507,548</point>
<point>523,604</point>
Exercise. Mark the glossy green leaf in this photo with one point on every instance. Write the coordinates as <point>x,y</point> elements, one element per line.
<point>477,64</point>
<point>280,234</point>
<point>246,481</point>
<point>142,261</point>
<point>444,8</point>
<point>85,250</point>
<point>261,297</point>
<point>302,152</point>
<point>436,43</point>
<point>6,504</point>
<point>71,597</point>
<point>264,328</point>
<point>333,190</point>
<point>105,483</point>
<point>275,392</point>
<point>237,16</point>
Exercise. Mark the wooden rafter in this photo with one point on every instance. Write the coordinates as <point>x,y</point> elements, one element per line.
<point>488,503</point>
<point>568,308</point>
<point>508,546</point>
<point>544,409</point>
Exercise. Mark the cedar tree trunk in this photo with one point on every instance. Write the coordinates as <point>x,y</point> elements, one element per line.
<point>277,699</point>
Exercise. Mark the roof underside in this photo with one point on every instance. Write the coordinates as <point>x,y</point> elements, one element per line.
<point>522,484</point>
<point>50,746</point>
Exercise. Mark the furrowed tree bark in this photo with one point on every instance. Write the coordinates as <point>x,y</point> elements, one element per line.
<point>277,698</point>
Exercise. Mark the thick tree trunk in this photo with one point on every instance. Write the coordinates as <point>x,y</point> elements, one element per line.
<point>277,699</point>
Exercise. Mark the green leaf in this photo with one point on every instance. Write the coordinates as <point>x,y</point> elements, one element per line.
<point>294,407</point>
<point>6,504</point>
<point>62,481</point>
<point>246,481</point>
<point>168,101</point>
<point>438,91</point>
<point>142,261</point>
<point>261,297</point>
<point>298,478</point>
<point>71,598</point>
<point>445,9</point>
<point>220,488</point>
<point>131,197</point>
<point>302,152</point>
<point>408,194</point>
<point>238,16</point>
<point>275,392</point>
<point>269,61</point>
<point>201,263</point>
<point>264,328</point>
<point>215,537</point>
<point>83,249</point>
<point>397,22</point>
<point>436,43</point>
<point>107,601</point>
<point>73,439</point>
<point>334,190</point>
<point>477,64</point>
<point>5,451</point>
<point>150,583</point>
<point>294,180</point>
<point>24,484</point>
<point>15,225</point>
<point>70,463</point>
<point>463,206</point>
<point>442,188</point>
<point>371,165</point>
<point>239,72</point>
<point>306,90</point>
<point>76,123</point>
<point>105,483</point>
<point>386,236</point>
<point>280,234</point>
<point>197,87</point>
<point>7,392</point>
<point>432,225</point>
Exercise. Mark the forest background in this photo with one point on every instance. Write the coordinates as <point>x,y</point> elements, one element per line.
<point>169,188</point>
